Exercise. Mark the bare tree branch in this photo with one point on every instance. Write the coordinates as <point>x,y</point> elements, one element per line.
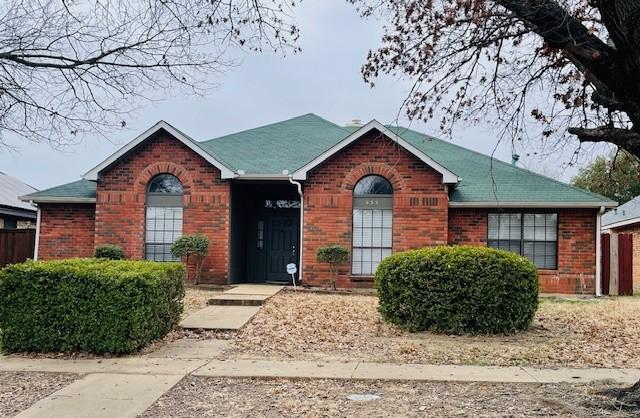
<point>72,67</point>
<point>533,68</point>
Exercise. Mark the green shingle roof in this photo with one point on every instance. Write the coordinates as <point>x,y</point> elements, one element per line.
<point>81,189</point>
<point>285,145</point>
<point>290,144</point>
<point>487,179</point>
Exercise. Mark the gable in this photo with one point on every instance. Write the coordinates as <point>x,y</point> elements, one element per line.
<point>148,134</point>
<point>448,177</point>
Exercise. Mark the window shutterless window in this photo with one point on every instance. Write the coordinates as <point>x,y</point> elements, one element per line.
<point>372,224</point>
<point>533,235</point>
<point>164,217</point>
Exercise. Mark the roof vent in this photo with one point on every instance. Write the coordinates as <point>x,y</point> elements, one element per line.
<point>514,159</point>
<point>355,123</point>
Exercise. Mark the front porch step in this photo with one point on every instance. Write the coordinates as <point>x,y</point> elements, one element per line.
<point>226,299</point>
<point>232,309</point>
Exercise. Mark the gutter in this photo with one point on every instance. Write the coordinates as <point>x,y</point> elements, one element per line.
<point>53,199</point>
<point>569,205</point>
<point>598,253</point>
<point>37,243</point>
<point>299,186</point>
<point>621,223</point>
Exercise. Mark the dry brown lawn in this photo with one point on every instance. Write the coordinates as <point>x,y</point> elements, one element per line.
<point>214,397</point>
<point>20,390</point>
<point>196,299</point>
<point>594,333</point>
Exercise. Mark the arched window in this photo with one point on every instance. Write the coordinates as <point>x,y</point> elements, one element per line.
<point>163,217</point>
<point>372,224</point>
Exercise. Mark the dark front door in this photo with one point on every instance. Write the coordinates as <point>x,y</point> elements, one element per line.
<point>281,246</point>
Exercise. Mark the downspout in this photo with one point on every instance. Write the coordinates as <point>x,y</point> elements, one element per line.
<point>598,253</point>
<point>37,243</point>
<point>299,186</point>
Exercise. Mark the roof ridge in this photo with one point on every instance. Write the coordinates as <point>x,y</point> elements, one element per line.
<point>268,125</point>
<point>586,192</point>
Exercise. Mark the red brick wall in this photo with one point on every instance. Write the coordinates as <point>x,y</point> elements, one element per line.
<point>121,192</point>
<point>66,230</point>
<point>576,246</point>
<point>468,226</point>
<point>419,203</point>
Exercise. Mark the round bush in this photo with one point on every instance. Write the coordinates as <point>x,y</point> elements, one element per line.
<point>109,251</point>
<point>458,290</point>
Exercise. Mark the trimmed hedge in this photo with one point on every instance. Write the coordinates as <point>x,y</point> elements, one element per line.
<point>110,251</point>
<point>94,305</point>
<point>458,290</point>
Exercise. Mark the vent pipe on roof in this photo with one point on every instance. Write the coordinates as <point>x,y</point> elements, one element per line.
<point>355,123</point>
<point>514,159</point>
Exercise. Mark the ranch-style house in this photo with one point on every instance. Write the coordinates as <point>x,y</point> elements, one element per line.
<point>274,194</point>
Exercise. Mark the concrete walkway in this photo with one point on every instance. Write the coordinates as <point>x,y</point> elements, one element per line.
<point>232,309</point>
<point>410,372</point>
<point>126,387</point>
<point>314,369</point>
<point>103,395</point>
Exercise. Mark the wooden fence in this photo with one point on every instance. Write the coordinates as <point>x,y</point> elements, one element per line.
<point>617,264</point>
<point>16,245</point>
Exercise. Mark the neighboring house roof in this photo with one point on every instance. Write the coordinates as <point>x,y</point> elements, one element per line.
<point>10,191</point>
<point>297,145</point>
<point>623,215</point>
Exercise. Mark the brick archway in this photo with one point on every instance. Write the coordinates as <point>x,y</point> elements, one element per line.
<point>163,168</point>
<point>366,169</point>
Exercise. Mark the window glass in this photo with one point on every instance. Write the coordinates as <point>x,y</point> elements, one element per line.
<point>373,184</point>
<point>165,183</point>
<point>533,235</point>
<point>164,217</point>
<point>372,227</point>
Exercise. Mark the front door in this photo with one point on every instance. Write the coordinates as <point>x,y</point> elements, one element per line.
<point>281,246</point>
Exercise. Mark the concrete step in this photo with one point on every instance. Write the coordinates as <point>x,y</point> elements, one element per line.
<point>254,289</point>
<point>226,299</point>
<point>220,317</point>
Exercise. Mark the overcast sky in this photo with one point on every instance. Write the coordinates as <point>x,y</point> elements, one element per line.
<point>324,79</point>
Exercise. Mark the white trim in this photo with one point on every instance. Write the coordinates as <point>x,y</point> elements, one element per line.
<point>620,223</point>
<point>598,251</point>
<point>37,243</point>
<point>495,204</point>
<point>62,199</point>
<point>301,244</point>
<point>284,177</point>
<point>226,173</point>
<point>448,177</point>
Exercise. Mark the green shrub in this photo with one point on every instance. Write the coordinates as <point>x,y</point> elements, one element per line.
<point>94,305</point>
<point>109,251</point>
<point>196,245</point>
<point>458,290</point>
<point>334,255</point>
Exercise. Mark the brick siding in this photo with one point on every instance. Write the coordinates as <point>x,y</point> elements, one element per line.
<point>66,230</point>
<point>576,246</point>
<point>420,209</point>
<point>121,194</point>
<point>419,204</point>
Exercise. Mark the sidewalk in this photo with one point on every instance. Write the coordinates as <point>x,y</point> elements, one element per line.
<point>319,370</point>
